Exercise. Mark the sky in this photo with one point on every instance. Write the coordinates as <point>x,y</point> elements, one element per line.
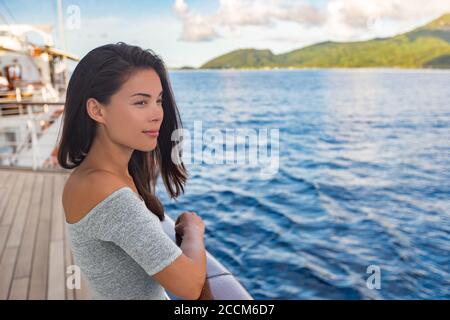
<point>191,32</point>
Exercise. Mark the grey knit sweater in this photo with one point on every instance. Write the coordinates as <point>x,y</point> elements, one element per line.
<point>118,245</point>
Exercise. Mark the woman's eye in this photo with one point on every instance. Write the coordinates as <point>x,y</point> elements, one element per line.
<point>141,103</point>
<point>159,101</point>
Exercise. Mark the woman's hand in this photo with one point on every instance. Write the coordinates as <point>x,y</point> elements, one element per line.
<point>188,224</point>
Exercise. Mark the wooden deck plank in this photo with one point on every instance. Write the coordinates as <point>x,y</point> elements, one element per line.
<point>26,251</point>
<point>6,271</point>
<point>5,195</point>
<point>13,200</point>
<point>4,231</point>
<point>9,212</point>
<point>57,209</point>
<point>16,232</point>
<point>56,276</point>
<point>7,183</point>
<point>4,176</point>
<point>56,284</point>
<point>19,289</point>
<point>39,272</point>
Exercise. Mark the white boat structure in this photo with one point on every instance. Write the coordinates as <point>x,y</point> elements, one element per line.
<point>33,82</point>
<point>33,79</point>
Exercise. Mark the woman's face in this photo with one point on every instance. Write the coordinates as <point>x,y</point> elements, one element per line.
<point>135,108</point>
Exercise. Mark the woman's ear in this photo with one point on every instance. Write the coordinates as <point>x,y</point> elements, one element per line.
<point>95,110</point>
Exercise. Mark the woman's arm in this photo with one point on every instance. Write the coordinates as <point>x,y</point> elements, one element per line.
<point>193,246</point>
<point>186,276</point>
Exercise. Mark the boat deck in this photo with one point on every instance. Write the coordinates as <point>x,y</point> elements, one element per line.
<point>34,249</point>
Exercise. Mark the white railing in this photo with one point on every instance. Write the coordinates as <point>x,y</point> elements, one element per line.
<point>29,132</point>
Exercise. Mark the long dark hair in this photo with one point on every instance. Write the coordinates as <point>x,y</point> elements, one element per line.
<point>99,75</point>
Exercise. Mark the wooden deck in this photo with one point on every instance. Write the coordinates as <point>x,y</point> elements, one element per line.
<point>34,249</point>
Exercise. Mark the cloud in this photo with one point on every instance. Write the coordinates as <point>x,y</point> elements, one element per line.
<point>195,26</point>
<point>342,19</point>
<point>233,14</point>
<point>362,14</point>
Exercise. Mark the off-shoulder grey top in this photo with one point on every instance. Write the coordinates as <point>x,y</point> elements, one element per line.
<point>118,245</point>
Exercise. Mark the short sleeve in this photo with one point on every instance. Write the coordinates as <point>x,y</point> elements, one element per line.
<point>128,223</point>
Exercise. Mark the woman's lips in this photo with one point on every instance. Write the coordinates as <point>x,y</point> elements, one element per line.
<point>151,133</point>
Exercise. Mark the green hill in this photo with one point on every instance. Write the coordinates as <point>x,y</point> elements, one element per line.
<point>424,47</point>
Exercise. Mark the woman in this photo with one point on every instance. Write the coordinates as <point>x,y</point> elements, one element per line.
<point>119,115</point>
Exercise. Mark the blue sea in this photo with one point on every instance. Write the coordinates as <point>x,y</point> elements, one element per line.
<point>363,181</point>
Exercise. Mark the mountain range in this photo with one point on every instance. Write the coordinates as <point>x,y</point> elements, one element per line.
<point>424,47</point>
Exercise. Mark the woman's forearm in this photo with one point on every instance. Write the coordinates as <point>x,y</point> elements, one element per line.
<point>193,246</point>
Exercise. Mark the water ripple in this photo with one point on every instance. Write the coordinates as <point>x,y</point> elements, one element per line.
<point>364,179</point>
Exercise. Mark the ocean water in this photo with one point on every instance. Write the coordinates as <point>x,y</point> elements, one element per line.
<point>363,180</point>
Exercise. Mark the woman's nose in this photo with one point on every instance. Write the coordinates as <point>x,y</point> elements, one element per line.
<point>156,113</point>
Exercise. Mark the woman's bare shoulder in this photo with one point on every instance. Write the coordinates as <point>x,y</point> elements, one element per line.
<point>84,190</point>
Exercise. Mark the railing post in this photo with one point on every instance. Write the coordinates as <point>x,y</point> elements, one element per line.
<point>19,99</point>
<point>34,144</point>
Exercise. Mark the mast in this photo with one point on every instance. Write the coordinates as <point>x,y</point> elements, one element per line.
<point>62,38</point>
<point>61,25</point>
